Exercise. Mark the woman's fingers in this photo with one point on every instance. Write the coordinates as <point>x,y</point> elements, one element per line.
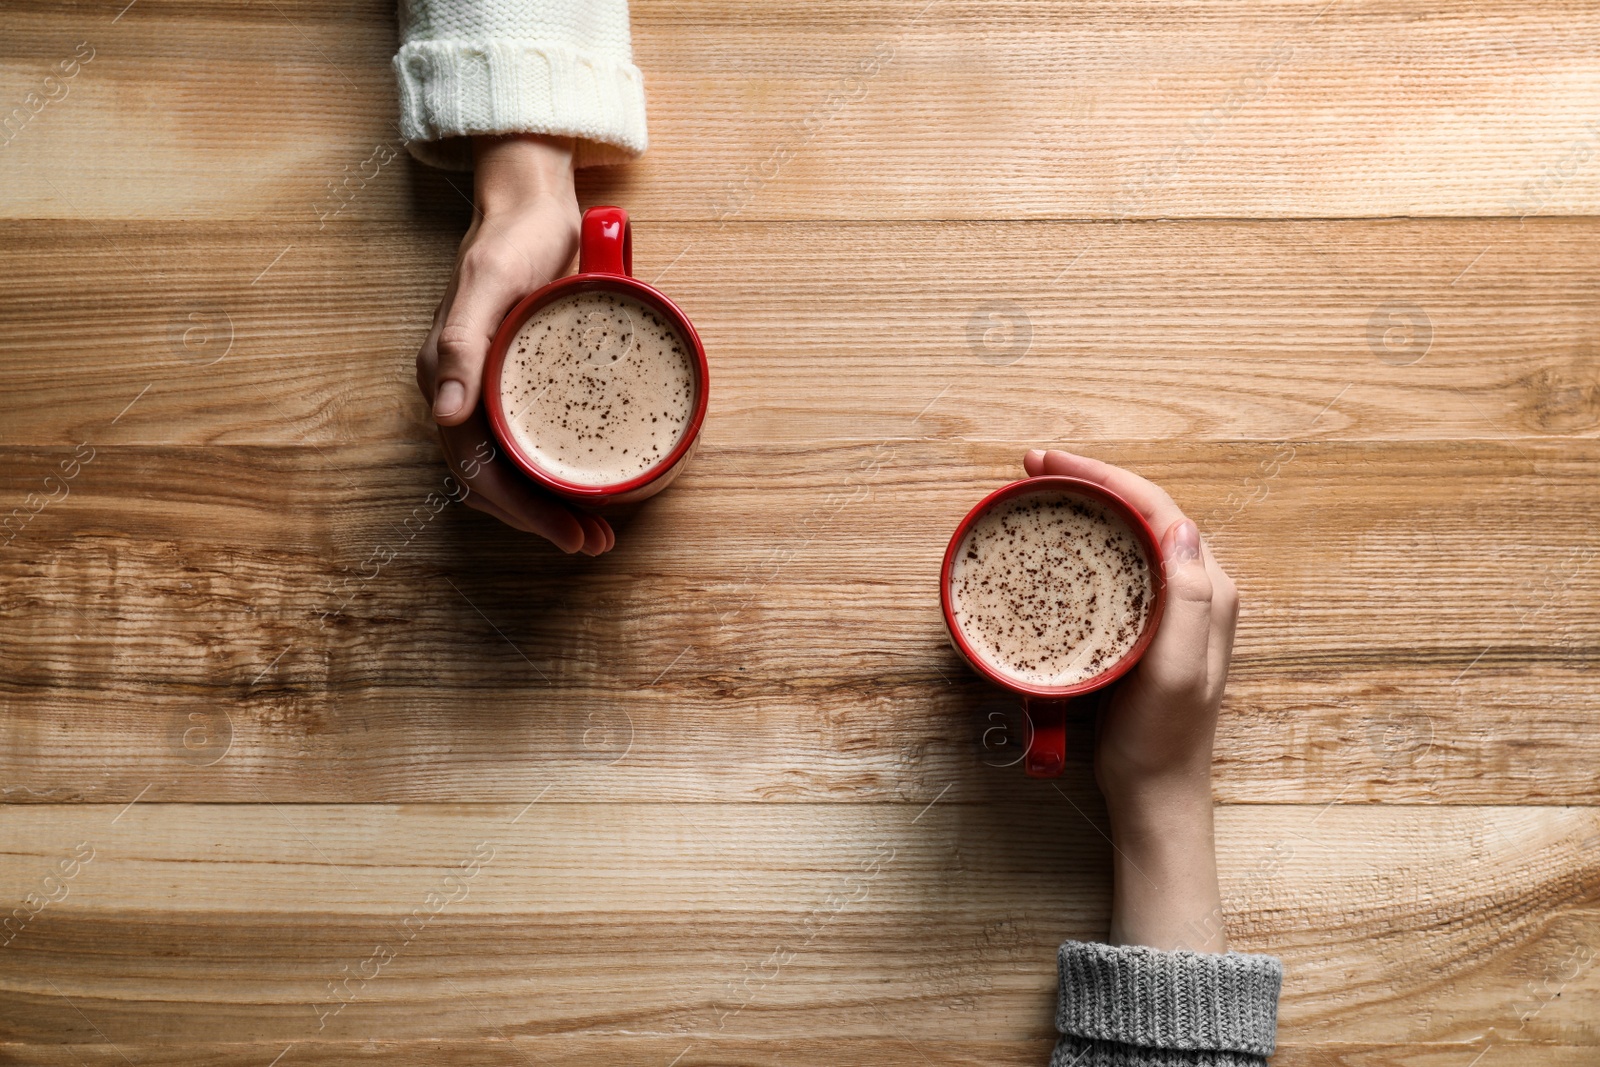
<point>1177,662</point>
<point>1191,651</point>
<point>536,513</point>
<point>1150,499</point>
<point>595,534</point>
<point>428,354</point>
<point>491,280</point>
<point>479,502</point>
<point>501,490</point>
<point>505,488</point>
<point>1195,641</point>
<point>1224,620</point>
<point>500,263</point>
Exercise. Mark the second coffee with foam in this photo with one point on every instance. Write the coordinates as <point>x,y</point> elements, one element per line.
<point>1050,588</point>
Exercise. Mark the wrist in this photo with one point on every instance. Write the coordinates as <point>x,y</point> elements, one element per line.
<point>1165,891</point>
<point>1159,825</point>
<point>1141,803</point>
<point>513,171</point>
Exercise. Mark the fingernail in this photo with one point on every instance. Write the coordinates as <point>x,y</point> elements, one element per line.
<point>1034,453</point>
<point>1186,542</point>
<point>452,394</point>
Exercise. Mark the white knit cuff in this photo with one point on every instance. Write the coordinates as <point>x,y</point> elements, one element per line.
<point>452,89</point>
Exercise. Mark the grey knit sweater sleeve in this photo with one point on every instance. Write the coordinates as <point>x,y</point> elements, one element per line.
<point>1128,1006</point>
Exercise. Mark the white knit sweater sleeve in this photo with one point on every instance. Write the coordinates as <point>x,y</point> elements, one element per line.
<point>562,67</point>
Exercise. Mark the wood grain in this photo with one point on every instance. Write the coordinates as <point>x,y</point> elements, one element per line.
<point>769,629</point>
<point>1442,917</point>
<point>901,109</point>
<point>893,1051</point>
<point>1023,331</point>
<point>1324,271</point>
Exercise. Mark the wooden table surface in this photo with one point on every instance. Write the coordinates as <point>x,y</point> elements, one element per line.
<point>300,769</point>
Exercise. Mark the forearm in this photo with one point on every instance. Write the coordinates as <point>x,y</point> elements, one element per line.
<point>1165,893</point>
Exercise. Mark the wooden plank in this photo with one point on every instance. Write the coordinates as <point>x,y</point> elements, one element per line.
<point>766,630</point>
<point>742,734</point>
<point>905,110</point>
<point>1032,331</point>
<point>719,1051</point>
<point>610,921</point>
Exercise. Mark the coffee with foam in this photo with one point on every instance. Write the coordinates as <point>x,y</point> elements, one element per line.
<point>598,388</point>
<point>1051,588</point>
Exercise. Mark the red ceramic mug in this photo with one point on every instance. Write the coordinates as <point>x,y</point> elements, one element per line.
<point>605,264</point>
<point>1046,706</point>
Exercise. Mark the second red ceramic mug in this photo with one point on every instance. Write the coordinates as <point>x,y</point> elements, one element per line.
<point>1046,706</point>
<point>605,264</point>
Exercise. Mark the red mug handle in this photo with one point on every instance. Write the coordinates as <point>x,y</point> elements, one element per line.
<point>606,245</point>
<point>1047,739</point>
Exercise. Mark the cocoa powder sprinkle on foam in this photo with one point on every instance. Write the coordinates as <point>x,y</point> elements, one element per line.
<point>598,388</point>
<point>1051,588</point>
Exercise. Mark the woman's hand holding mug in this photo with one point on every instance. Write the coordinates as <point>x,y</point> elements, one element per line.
<point>524,234</point>
<point>1153,755</point>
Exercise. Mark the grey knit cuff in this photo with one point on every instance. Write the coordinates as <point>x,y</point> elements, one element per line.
<point>1176,1001</point>
<point>1080,1052</point>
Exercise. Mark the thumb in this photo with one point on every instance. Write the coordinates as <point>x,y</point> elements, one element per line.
<point>1175,664</point>
<point>486,291</point>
